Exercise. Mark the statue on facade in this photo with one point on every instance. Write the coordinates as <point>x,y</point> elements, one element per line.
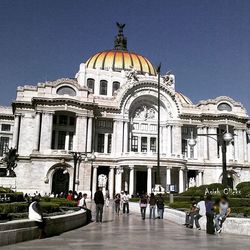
<point>132,75</point>
<point>10,160</point>
<point>145,113</point>
<point>192,182</point>
<point>168,79</point>
<point>102,180</point>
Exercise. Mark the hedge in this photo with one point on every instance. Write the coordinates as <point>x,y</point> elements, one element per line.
<point>14,197</point>
<point>15,207</point>
<point>60,201</point>
<point>5,190</point>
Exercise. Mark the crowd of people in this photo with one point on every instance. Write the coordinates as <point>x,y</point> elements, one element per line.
<point>215,212</point>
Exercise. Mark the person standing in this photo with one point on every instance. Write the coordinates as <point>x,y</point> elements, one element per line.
<point>143,205</point>
<point>82,204</point>
<point>117,202</point>
<point>125,202</point>
<point>152,205</point>
<point>209,214</point>
<point>160,206</point>
<point>99,201</point>
<point>107,198</point>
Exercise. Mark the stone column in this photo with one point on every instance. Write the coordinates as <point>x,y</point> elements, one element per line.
<point>149,180</point>
<point>16,131</point>
<point>168,176</point>
<point>106,136</point>
<point>169,141</point>
<point>139,143</point>
<point>177,143</point>
<point>66,147</point>
<point>240,146</point>
<point>89,136</point>
<point>80,137</point>
<point>236,145</point>
<point>200,144</point>
<point>37,131</point>
<point>46,131</point>
<point>212,144</point>
<point>94,180</point>
<point>118,180</point>
<point>200,177</point>
<point>245,145</point>
<point>125,137</point>
<point>111,182</point>
<point>148,144</point>
<point>164,139</point>
<point>131,180</point>
<point>113,147</point>
<point>181,180</point>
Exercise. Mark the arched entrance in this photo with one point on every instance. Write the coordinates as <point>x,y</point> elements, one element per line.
<point>60,181</point>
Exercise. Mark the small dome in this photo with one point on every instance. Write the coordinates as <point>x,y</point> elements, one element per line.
<point>119,60</point>
<point>183,99</point>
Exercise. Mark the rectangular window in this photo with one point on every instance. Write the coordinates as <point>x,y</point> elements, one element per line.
<point>100,143</point>
<point>103,87</point>
<point>144,126</point>
<point>136,126</point>
<point>71,135</point>
<point>153,144</point>
<point>61,139</point>
<point>5,127</point>
<point>144,144</point>
<point>63,120</point>
<point>184,148</point>
<point>134,144</point>
<point>54,119</point>
<point>109,143</point>
<point>71,121</point>
<point>4,145</point>
<point>153,127</point>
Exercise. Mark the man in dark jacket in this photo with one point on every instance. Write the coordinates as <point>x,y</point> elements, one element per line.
<point>99,201</point>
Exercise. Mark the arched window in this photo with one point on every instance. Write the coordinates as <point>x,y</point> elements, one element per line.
<point>103,87</point>
<point>91,84</point>
<point>66,90</point>
<point>224,106</point>
<point>116,86</point>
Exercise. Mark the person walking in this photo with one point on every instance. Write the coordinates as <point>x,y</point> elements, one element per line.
<point>143,205</point>
<point>117,202</point>
<point>99,201</point>
<point>209,214</point>
<point>152,205</point>
<point>160,206</point>
<point>224,211</point>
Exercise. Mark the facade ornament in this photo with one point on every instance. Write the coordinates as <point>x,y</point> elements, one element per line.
<point>132,75</point>
<point>102,180</point>
<point>145,113</point>
<point>192,182</point>
<point>169,79</point>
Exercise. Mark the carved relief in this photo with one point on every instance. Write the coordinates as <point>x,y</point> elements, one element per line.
<point>145,113</point>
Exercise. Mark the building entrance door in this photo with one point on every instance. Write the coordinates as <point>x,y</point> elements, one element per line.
<point>141,182</point>
<point>60,182</point>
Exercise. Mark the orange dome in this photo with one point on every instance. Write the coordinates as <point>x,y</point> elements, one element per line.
<point>119,60</point>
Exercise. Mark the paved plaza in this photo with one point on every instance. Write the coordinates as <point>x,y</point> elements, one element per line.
<point>130,232</point>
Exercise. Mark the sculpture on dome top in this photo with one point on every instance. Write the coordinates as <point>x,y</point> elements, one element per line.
<point>120,40</point>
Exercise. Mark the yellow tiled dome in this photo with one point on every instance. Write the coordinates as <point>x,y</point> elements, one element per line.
<point>119,60</point>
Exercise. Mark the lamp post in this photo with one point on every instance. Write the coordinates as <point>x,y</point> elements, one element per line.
<point>225,137</point>
<point>158,178</point>
<point>77,158</point>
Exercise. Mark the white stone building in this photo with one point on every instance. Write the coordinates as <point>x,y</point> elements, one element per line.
<point>110,108</point>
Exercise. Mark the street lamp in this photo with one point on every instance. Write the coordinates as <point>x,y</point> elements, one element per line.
<point>77,158</point>
<point>226,137</point>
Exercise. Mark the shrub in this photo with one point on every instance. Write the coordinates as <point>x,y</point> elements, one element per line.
<point>180,205</point>
<point>49,207</point>
<point>63,202</point>
<point>5,190</point>
<point>15,207</point>
<point>243,185</point>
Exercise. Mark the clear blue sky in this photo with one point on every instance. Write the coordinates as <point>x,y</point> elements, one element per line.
<point>205,43</point>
